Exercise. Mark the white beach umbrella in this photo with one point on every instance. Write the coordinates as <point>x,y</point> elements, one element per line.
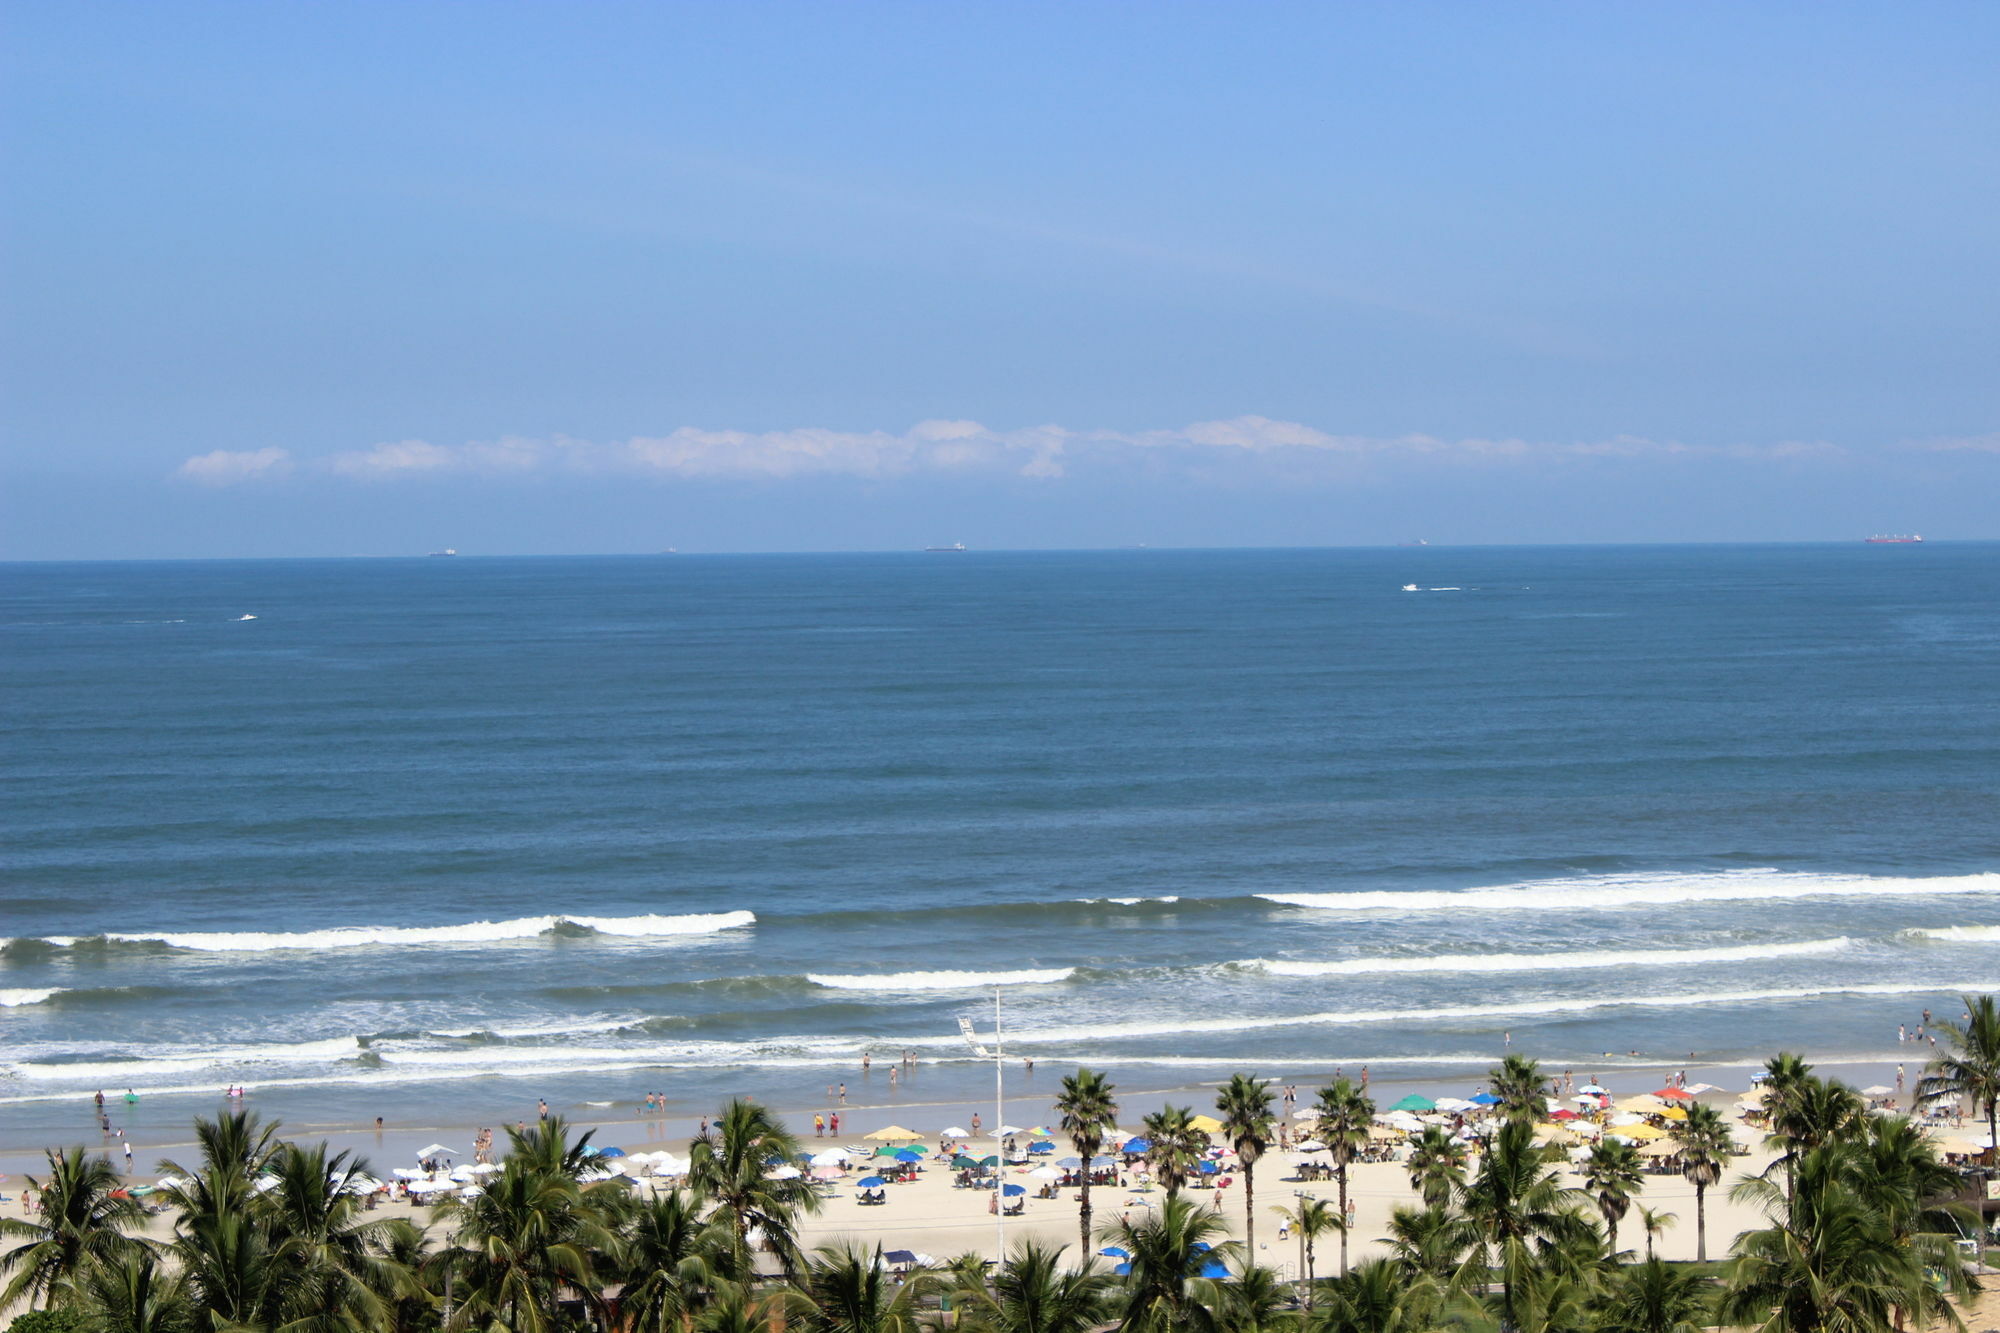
<point>831,1157</point>
<point>1453,1104</point>
<point>1045,1173</point>
<point>437,1150</point>
<point>483,1168</point>
<point>1008,1131</point>
<point>954,1132</point>
<point>786,1172</point>
<point>1306,1114</point>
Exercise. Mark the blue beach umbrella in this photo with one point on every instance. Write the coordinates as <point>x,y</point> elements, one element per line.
<point>907,1156</point>
<point>1114,1252</point>
<point>1041,1147</point>
<point>610,1152</point>
<point>1123,1270</point>
<point>870,1183</point>
<point>1070,1161</point>
<point>1209,1168</point>
<point>1136,1145</point>
<point>1011,1190</point>
<point>1485,1099</point>
<point>1215,1268</point>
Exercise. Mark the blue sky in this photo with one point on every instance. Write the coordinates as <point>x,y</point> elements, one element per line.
<point>375,278</point>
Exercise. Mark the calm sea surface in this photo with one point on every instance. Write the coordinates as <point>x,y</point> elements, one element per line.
<point>440,837</point>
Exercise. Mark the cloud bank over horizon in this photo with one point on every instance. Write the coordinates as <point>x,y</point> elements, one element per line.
<point>1046,452</point>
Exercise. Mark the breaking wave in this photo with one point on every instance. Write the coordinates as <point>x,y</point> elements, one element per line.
<point>1607,892</point>
<point>942,980</point>
<point>11,999</point>
<point>474,932</point>
<point>1582,960</point>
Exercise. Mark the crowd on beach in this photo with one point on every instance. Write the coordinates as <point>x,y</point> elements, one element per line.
<point>1865,1220</point>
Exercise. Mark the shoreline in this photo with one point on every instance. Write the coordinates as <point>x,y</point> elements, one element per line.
<point>624,1125</point>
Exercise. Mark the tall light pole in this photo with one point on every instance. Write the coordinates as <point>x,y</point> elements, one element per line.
<point>999,1119</point>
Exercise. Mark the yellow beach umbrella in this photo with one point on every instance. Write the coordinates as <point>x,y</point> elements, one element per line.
<point>1674,1113</point>
<point>1207,1124</point>
<point>1645,1104</point>
<point>892,1134</point>
<point>1640,1132</point>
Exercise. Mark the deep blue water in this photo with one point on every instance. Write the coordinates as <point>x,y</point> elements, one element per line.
<point>1720,793</point>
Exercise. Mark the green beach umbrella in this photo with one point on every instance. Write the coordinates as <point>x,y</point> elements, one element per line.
<point>1413,1102</point>
<point>964,1163</point>
<point>885,1151</point>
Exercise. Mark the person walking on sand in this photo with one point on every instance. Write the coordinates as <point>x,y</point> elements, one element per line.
<point>128,1157</point>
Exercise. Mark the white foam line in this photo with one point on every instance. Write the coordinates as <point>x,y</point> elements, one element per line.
<point>1607,892</point>
<point>1587,960</point>
<point>1957,934</point>
<point>16,997</point>
<point>474,932</point>
<point>892,981</point>
<point>1525,1009</point>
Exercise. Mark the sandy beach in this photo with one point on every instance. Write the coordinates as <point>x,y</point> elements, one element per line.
<point>929,1216</point>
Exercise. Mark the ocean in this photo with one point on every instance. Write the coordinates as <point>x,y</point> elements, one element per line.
<point>434,839</point>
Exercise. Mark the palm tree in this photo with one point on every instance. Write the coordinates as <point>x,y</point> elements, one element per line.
<point>846,1289</point>
<point>80,1223</point>
<point>1437,1166</point>
<point>1655,1297</point>
<point>1244,1106</point>
<point>548,1147</point>
<point>1170,1248</point>
<point>1515,1199</point>
<point>1434,1244</point>
<point>1969,1068</point>
<point>1312,1219</point>
<point>1655,1221</point>
<point>1342,1120</point>
<point>133,1293</point>
<point>1033,1293</point>
<point>728,1169</point>
<point>1521,1087</point>
<point>1174,1146</point>
<point>235,1148</point>
<point>1612,1176</point>
<point>1705,1146</point>
<point>1256,1302</point>
<point>1377,1297</point>
<point>671,1261</point>
<point>1088,1112</point>
<point>517,1244</point>
<point>327,1268</point>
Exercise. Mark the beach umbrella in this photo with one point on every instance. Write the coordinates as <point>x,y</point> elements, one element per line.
<point>1453,1104</point>
<point>1641,1132</point>
<point>1595,1090</point>
<point>1564,1114</point>
<point>870,1183</point>
<point>786,1173</point>
<point>1041,1132</point>
<point>1310,1145</point>
<point>1010,1191</point>
<point>964,1163</point>
<point>1659,1148</point>
<point>1879,1090</point>
<point>826,1173</point>
<point>831,1157</point>
<point>1207,1124</point>
<point>1136,1145</point>
<point>1113,1252</point>
<point>885,1151</point>
<point>1645,1102</point>
<point>1673,1113</point>
<point>1413,1102</point>
<point>1673,1094</point>
<point>1209,1168</point>
<point>1215,1268</point>
<point>1485,1099</point>
<point>989,1160</point>
<point>1043,1147</point>
<point>954,1132</point>
<point>1123,1270</point>
<point>1070,1162</point>
<point>920,1149</point>
<point>1045,1173</point>
<point>905,1155</point>
<point>610,1152</point>
<point>1697,1089</point>
<point>437,1150</point>
<point>892,1134</point>
<point>900,1257</point>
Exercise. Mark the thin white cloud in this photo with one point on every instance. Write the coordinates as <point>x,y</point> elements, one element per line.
<point>1960,444</point>
<point>224,467</point>
<point>1043,452</point>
